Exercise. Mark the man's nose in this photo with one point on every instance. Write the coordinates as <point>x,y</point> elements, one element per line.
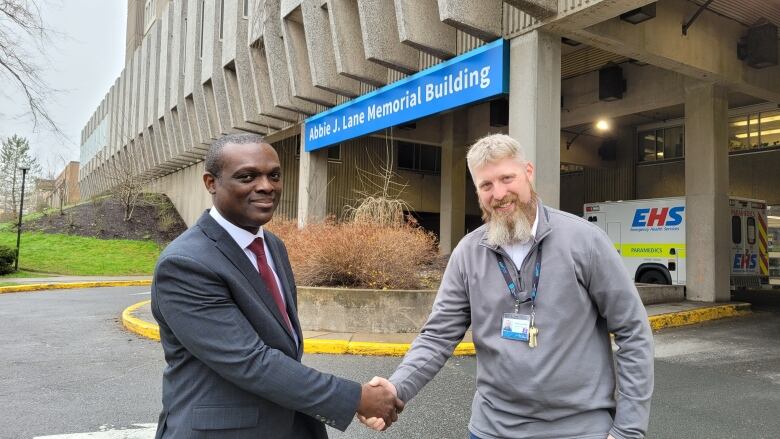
<point>499,192</point>
<point>263,184</point>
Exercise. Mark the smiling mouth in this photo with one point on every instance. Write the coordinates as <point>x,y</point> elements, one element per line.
<point>262,203</point>
<point>504,206</point>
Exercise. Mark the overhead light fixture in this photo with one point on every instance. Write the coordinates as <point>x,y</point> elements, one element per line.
<point>637,62</point>
<point>600,125</point>
<point>758,48</point>
<point>638,15</point>
<point>570,42</point>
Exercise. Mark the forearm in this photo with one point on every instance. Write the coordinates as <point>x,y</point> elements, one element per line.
<point>635,377</point>
<point>425,358</point>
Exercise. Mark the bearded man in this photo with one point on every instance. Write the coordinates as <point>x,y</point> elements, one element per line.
<point>542,290</point>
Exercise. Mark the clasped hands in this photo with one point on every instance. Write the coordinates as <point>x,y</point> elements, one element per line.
<point>379,404</point>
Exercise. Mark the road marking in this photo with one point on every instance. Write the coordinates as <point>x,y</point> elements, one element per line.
<point>142,294</point>
<point>136,431</point>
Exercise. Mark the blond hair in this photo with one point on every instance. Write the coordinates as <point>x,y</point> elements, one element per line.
<point>492,148</point>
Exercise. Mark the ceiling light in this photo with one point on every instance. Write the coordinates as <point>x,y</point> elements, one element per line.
<point>638,15</point>
<point>570,42</point>
<point>602,125</point>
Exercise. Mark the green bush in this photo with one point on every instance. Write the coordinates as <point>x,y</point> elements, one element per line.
<point>7,258</point>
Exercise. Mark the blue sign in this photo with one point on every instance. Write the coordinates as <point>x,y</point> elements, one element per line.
<point>471,77</point>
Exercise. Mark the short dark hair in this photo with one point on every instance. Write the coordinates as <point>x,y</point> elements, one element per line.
<point>214,154</point>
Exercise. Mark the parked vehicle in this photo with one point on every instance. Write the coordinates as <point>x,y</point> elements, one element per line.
<point>650,236</point>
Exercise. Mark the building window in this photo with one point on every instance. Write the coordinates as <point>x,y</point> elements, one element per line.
<point>246,9</point>
<point>221,19</point>
<point>185,44</point>
<point>334,153</point>
<point>661,144</point>
<point>756,130</point>
<point>419,158</point>
<point>202,18</point>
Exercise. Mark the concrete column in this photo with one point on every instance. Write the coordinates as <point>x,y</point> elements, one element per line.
<point>706,192</point>
<point>535,107</point>
<point>312,184</point>
<point>452,218</point>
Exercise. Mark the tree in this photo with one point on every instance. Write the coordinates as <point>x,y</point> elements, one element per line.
<point>125,181</point>
<point>20,25</point>
<point>14,154</point>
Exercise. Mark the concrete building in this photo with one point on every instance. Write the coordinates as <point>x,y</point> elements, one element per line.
<point>689,90</point>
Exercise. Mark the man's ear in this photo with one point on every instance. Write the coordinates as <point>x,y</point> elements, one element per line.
<point>211,182</point>
<point>529,169</point>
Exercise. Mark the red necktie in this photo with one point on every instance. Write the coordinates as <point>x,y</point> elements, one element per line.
<point>267,276</point>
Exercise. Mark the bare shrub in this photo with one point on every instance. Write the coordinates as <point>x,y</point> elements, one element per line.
<point>357,255</point>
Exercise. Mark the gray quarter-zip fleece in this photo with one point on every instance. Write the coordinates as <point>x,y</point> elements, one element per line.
<point>565,387</point>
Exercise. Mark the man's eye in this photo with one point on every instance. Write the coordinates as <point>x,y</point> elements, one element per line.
<point>276,176</point>
<point>508,178</point>
<point>246,178</point>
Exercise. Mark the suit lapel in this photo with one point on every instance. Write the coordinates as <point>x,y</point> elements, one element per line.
<point>284,272</point>
<point>235,254</point>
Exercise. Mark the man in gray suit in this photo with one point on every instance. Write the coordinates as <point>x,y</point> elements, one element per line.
<point>225,298</point>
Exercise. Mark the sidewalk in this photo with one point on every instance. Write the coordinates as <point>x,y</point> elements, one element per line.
<point>138,319</point>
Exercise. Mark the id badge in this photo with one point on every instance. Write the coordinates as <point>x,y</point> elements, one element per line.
<point>515,326</point>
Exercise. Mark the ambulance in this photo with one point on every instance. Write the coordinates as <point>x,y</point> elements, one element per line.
<point>650,237</point>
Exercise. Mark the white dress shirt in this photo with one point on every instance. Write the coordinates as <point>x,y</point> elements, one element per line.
<point>243,238</point>
<point>518,251</point>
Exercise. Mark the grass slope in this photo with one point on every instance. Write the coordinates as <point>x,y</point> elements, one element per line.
<point>76,255</point>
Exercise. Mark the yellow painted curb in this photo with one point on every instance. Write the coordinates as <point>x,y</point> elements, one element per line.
<point>138,326</point>
<point>69,285</point>
<point>311,345</point>
<point>340,347</point>
<point>690,317</point>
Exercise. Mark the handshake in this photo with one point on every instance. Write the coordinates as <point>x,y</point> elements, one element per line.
<point>379,404</point>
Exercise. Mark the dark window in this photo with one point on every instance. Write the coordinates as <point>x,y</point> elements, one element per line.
<point>751,230</point>
<point>736,230</point>
<point>221,18</point>
<point>673,142</point>
<point>246,8</point>
<point>334,153</point>
<point>406,154</point>
<point>420,158</point>
<point>202,18</point>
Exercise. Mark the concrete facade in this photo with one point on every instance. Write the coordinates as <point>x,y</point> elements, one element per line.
<point>196,69</point>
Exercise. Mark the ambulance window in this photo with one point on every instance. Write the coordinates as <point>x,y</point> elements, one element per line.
<point>736,229</point>
<point>751,230</point>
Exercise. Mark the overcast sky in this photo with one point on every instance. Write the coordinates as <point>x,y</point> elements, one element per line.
<point>82,63</point>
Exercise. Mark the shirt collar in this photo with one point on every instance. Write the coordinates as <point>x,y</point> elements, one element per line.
<point>241,236</point>
<point>536,222</point>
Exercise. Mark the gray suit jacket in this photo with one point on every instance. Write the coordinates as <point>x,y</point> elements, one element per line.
<point>233,368</point>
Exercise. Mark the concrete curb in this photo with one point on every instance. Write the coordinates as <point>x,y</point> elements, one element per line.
<point>693,316</point>
<point>69,285</point>
<point>346,347</point>
<point>138,326</point>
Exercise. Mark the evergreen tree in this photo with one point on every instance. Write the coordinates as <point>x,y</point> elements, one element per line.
<point>14,154</point>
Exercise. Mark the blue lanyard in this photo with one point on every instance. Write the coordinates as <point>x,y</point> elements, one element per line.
<point>534,282</point>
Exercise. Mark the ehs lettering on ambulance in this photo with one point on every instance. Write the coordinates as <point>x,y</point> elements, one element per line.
<point>657,219</point>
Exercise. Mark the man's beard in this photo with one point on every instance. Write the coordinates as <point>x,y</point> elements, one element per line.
<point>510,228</point>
